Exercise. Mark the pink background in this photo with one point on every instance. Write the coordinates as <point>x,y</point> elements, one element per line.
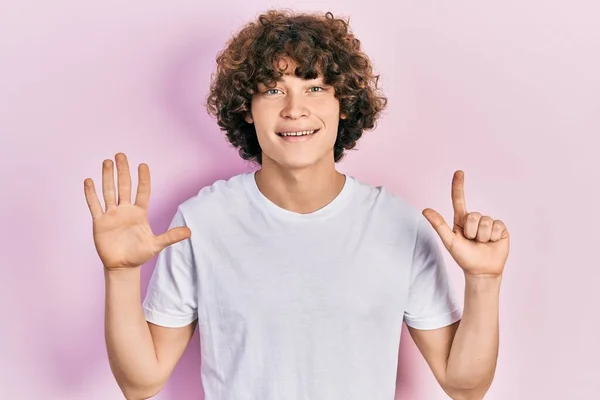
<point>508,92</point>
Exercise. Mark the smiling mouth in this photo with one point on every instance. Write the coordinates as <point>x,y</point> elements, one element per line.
<point>298,133</point>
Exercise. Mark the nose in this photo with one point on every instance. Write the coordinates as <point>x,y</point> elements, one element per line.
<point>294,107</point>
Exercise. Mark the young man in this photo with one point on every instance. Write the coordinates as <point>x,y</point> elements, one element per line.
<point>298,277</point>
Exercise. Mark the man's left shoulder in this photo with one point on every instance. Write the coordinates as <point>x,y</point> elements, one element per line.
<point>387,203</point>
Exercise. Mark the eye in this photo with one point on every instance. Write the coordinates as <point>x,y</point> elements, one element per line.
<point>319,89</point>
<point>271,91</point>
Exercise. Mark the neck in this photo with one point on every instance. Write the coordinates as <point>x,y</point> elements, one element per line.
<point>302,190</point>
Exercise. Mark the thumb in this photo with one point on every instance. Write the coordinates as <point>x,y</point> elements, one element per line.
<point>440,226</point>
<point>172,236</point>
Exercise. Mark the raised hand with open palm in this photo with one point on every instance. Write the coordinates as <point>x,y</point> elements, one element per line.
<point>122,233</point>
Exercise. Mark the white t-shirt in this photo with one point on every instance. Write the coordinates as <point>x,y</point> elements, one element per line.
<point>300,306</point>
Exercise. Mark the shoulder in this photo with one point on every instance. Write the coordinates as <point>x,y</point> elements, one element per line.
<point>387,203</point>
<point>223,196</point>
<point>386,213</point>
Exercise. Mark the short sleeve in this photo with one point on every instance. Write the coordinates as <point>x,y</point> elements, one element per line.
<point>431,301</point>
<point>171,298</point>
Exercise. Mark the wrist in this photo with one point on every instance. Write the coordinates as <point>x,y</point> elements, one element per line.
<point>483,282</point>
<point>125,273</point>
<point>483,277</point>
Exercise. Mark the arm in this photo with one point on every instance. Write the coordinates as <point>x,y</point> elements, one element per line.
<point>142,355</point>
<point>463,356</point>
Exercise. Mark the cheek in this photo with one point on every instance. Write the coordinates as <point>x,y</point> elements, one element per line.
<point>329,102</point>
<point>329,109</point>
<point>262,119</point>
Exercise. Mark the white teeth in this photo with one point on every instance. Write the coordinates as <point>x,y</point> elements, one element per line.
<point>300,133</point>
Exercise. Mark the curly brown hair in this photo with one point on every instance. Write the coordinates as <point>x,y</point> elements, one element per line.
<point>318,45</point>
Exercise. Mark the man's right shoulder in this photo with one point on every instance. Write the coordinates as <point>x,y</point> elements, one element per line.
<point>222,196</point>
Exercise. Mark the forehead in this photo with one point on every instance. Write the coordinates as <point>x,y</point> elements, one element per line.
<point>287,66</point>
<point>289,71</point>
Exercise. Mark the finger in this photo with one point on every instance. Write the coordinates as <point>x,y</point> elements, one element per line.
<point>458,198</point>
<point>91,198</point>
<point>171,236</point>
<point>484,232</point>
<point>499,231</point>
<point>123,178</point>
<point>142,198</point>
<point>440,226</point>
<point>108,185</point>
<point>471,225</point>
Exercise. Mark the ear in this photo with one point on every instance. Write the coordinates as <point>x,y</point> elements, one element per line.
<point>343,116</point>
<point>248,118</point>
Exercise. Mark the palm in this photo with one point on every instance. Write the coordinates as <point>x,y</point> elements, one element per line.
<point>122,233</point>
<point>123,237</point>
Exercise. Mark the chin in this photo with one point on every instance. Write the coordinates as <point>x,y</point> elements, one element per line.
<point>300,161</point>
<point>297,163</point>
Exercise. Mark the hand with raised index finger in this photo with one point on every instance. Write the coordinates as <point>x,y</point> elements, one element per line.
<point>478,243</point>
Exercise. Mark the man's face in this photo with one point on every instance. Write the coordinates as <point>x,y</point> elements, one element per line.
<point>296,121</point>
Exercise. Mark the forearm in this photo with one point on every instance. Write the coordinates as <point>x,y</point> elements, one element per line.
<point>473,355</point>
<point>129,343</point>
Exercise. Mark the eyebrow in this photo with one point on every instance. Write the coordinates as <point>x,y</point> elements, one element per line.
<point>317,79</point>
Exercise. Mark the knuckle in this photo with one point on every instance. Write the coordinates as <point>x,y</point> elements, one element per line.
<point>474,216</point>
<point>486,221</point>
